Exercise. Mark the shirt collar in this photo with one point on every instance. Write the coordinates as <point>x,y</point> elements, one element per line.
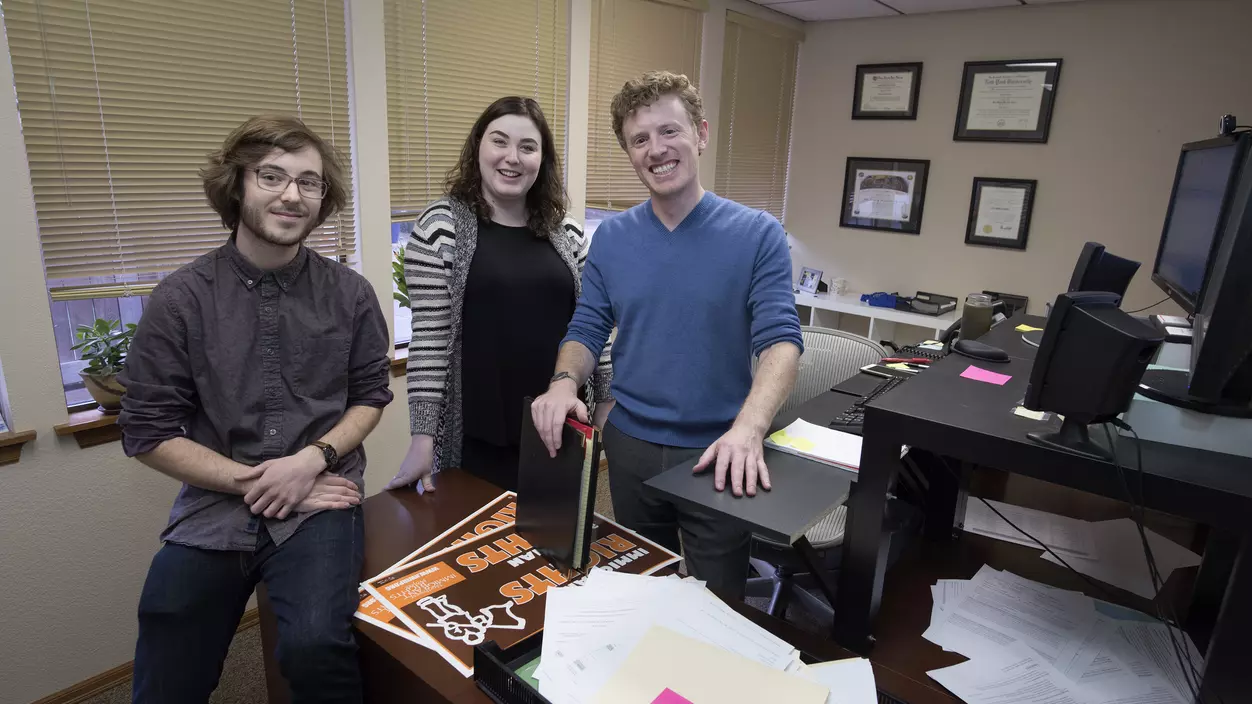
<point>250,275</point>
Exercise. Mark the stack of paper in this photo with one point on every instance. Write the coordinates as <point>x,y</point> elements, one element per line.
<point>604,635</point>
<point>832,447</point>
<point>1110,551</point>
<point>1031,643</point>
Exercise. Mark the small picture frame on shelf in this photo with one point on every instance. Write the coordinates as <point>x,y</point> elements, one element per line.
<point>1007,101</point>
<point>884,194</point>
<point>886,91</point>
<point>809,279</point>
<point>999,212</point>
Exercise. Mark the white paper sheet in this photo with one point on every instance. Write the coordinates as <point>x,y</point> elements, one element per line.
<point>1118,557</point>
<point>1000,608</point>
<point>1068,536</point>
<point>833,447</point>
<point>1015,677</point>
<point>850,681</point>
<point>1093,663</point>
<point>1151,654</point>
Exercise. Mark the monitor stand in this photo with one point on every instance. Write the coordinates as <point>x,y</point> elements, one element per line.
<point>1171,386</point>
<point>1072,437</point>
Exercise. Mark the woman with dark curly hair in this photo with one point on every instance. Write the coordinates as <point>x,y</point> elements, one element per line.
<point>493,270</point>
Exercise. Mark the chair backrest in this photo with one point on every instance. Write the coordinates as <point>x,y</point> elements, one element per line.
<point>830,356</point>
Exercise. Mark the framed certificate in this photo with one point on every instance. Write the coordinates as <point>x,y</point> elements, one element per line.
<point>886,91</point>
<point>999,212</point>
<point>884,194</point>
<point>1007,101</point>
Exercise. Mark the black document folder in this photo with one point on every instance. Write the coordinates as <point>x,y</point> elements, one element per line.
<point>556,495</point>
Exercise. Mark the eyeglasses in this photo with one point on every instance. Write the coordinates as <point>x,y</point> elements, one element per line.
<point>277,182</point>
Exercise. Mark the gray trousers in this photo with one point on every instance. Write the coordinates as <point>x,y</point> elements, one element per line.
<point>716,549</point>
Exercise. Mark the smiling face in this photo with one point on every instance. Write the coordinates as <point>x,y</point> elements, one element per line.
<point>664,146</point>
<point>509,157</point>
<point>283,217</point>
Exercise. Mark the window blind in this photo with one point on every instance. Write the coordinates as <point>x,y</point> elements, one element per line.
<point>121,101</point>
<point>629,37</point>
<point>446,62</point>
<point>758,86</point>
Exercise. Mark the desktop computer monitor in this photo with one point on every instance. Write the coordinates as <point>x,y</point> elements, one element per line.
<point>1220,380</point>
<point>1203,185</point>
<point>1100,270</point>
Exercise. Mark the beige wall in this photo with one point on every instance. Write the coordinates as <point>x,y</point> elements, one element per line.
<point>1140,78</point>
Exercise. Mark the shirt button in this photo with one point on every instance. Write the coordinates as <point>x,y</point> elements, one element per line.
<point>267,309</point>
<point>267,350</point>
<point>249,282</point>
<point>273,431</point>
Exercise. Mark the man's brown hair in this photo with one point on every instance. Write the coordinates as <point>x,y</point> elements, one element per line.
<point>248,145</point>
<point>646,90</point>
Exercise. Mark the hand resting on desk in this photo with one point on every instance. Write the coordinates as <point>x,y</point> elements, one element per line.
<point>741,453</point>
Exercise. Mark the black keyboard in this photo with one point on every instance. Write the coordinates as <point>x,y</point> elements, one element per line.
<point>854,417</point>
<point>915,351</point>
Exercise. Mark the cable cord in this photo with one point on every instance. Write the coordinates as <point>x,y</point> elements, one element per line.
<point>1140,310</point>
<point>1164,612</point>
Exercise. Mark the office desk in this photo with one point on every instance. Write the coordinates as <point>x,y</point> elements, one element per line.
<point>397,670</point>
<point>972,422</point>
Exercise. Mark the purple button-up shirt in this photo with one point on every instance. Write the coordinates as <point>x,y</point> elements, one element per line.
<point>253,365</point>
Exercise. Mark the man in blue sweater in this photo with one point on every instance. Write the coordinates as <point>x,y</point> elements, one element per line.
<point>696,285</point>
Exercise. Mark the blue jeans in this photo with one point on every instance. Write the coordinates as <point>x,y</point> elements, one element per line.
<point>193,599</point>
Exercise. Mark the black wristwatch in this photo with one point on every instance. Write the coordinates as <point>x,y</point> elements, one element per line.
<point>562,375</point>
<point>328,453</point>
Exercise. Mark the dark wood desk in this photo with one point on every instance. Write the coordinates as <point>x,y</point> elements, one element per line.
<point>972,424</point>
<point>395,669</point>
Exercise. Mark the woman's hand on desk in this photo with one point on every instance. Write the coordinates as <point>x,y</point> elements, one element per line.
<point>417,465</point>
<point>740,453</point>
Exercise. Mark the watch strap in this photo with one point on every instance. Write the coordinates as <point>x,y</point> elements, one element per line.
<point>328,452</point>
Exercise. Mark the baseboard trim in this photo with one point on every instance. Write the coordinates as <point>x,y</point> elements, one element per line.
<point>119,675</point>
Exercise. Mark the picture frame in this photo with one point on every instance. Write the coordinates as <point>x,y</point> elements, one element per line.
<point>886,91</point>
<point>1007,101</point>
<point>884,194</point>
<point>809,279</point>
<point>1000,211</point>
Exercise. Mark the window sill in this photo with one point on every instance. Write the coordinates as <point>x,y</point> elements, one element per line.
<point>11,445</point>
<point>90,428</point>
<point>400,361</point>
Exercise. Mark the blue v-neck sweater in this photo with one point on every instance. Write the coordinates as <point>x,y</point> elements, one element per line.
<point>692,307</point>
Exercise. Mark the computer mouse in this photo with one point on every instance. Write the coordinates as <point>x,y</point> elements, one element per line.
<point>977,350</point>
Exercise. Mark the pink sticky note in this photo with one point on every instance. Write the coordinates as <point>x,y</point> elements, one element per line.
<point>669,696</point>
<point>978,374</point>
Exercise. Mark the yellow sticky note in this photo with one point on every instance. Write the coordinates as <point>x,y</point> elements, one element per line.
<point>1027,413</point>
<point>900,365</point>
<point>1027,328</point>
<point>781,438</point>
<point>803,444</point>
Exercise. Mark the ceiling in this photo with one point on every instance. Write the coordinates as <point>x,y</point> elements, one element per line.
<point>816,10</point>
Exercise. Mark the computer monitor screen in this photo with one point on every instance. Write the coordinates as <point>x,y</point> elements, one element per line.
<point>1201,187</point>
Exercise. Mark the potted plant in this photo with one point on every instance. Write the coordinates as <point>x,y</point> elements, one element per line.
<point>401,291</point>
<point>103,346</point>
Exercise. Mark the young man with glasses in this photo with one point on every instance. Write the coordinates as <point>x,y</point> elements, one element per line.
<point>255,375</point>
<point>696,285</point>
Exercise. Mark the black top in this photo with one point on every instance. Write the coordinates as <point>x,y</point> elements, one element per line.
<point>518,302</point>
<point>254,365</point>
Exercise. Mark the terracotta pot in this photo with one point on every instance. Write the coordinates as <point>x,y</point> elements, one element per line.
<point>105,390</point>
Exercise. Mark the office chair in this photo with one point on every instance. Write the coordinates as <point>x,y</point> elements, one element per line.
<point>830,357</point>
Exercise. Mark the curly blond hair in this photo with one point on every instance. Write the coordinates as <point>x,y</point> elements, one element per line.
<point>649,88</point>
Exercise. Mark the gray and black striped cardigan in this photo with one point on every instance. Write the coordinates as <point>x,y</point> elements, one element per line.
<point>437,262</point>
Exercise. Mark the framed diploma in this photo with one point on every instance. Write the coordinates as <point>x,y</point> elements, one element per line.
<point>884,194</point>
<point>886,91</point>
<point>1007,101</point>
<point>999,212</point>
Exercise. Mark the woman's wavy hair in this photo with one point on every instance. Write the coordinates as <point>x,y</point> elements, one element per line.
<point>545,201</point>
<point>251,142</point>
